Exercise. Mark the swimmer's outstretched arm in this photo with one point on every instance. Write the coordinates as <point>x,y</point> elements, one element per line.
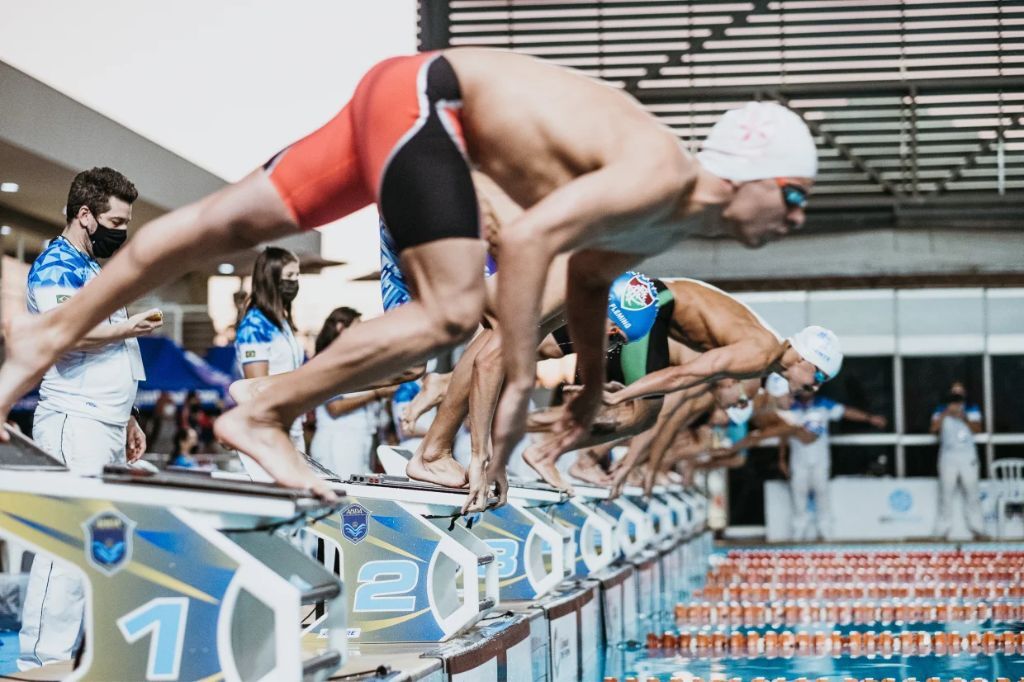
<point>670,418</point>
<point>610,424</point>
<point>682,417</point>
<point>744,360</point>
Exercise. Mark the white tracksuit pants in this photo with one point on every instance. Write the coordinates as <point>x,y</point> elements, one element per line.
<point>806,475</point>
<point>958,467</point>
<point>52,618</point>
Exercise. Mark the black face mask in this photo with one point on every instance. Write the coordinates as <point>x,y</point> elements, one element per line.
<point>289,289</point>
<point>956,398</point>
<point>106,240</point>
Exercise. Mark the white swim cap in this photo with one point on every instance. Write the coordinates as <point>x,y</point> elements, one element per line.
<point>757,141</point>
<point>820,347</point>
<point>776,385</point>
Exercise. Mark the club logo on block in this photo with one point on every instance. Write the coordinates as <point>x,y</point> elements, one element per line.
<point>640,293</point>
<point>355,522</point>
<point>108,541</point>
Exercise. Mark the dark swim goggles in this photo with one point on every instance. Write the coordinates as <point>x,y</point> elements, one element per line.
<point>820,377</point>
<point>793,195</point>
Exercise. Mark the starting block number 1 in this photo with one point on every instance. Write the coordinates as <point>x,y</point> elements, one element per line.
<point>164,619</point>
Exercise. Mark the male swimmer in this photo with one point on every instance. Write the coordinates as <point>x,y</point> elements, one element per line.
<point>608,188</point>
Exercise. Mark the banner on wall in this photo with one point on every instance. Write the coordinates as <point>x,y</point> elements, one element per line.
<point>883,509</point>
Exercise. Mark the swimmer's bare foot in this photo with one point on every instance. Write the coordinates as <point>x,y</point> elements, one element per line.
<point>545,466</point>
<point>432,392</point>
<point>263,438</point>
<point>587,470</point>
<point>30,349</point>
<point>439,468</point>
<point>244,390</point>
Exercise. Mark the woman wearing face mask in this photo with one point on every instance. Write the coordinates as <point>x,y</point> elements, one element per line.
<point>265,342</point>
<point>346,424</point>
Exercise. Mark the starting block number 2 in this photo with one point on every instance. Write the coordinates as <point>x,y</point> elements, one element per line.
<point>164,619</point>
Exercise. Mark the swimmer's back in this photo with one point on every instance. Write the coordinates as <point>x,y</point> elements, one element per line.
<point>533,126</point>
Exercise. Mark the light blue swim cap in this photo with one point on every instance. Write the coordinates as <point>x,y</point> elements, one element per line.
<point>633,304</point>
<point>406,392</point>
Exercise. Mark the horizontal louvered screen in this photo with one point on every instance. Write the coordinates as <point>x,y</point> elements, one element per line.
<point>908,101</point>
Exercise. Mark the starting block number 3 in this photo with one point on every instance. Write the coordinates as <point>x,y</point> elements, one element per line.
<point>506,556</point>
<point>164,619</point>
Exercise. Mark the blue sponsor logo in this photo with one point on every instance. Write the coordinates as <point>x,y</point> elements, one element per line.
<point>108,541</point>
<point>355,522</point>
<point>901,500</point>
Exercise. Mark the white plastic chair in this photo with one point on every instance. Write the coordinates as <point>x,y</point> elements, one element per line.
<point>1009,473</point>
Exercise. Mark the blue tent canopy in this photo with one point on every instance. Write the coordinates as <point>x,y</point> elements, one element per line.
<point>176,370</point>
<point>171,368</point>
<point>223,359</point>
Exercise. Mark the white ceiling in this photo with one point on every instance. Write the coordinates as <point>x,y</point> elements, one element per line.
<point>222,84</point>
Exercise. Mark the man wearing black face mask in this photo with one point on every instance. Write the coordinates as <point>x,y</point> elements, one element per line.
<point>955,423</point>
<point>84,417</point>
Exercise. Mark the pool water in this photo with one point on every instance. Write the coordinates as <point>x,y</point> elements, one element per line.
<point>643,665</point>
<point>779,614</point>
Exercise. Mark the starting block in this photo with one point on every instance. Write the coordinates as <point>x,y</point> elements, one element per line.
<point>183,573</point>
<point>413,574</point>
<point>633,529</point>
<point>531,552</point>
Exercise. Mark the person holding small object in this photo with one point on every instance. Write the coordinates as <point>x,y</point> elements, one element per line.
<point>86,416</point>
<point>955,423</point>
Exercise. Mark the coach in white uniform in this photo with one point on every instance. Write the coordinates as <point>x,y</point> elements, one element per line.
<point>84,416</point>
<point>955,423</point>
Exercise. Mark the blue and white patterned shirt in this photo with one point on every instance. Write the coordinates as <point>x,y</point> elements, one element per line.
<point>95,383</point>
<point>393,289</point>
<point>815,417</point>
<point>260,340</point>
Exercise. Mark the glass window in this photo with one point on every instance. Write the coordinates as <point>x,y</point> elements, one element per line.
<point>921,460</point>
<point>746,486</point>
<point>863,460</point>
<point>1007,380</point>
<point>926,381</point>
<point>865,383</point>
<point>1006,451</point>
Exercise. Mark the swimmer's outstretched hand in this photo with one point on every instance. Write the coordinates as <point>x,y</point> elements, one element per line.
<point>485,476</point>
<point>574,426</point>
<point>495,477</point>
<point>618,483</point>
<point>476,500</point>
<point>650,479</point>
<point>611,393</point>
